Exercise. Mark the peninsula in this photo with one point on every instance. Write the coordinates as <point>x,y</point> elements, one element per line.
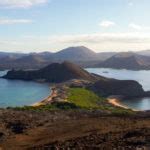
<point>78,101</point>
<point>68,74</point>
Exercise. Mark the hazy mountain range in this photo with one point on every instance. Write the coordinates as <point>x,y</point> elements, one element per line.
<point>128,60</point>
<point>81,55</point>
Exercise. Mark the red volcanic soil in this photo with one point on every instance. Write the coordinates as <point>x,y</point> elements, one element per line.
<point>21,130</point>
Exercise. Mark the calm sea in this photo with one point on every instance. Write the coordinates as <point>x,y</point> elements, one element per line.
<point>143,77</point>
<point>20,93</point>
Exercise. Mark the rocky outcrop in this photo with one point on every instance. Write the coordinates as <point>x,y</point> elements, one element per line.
<point>55,72</point>
<point>125,88</point>
<point>75,76</point>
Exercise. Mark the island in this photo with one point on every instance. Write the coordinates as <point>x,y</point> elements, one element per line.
<point>66,73</point>
<point>77,114</point>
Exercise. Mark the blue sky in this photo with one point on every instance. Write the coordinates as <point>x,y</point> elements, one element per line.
<point>51,25</point>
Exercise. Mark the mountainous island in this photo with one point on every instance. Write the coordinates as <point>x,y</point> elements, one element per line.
<point>128,60</point>
<point>66,71</point>
<point>74,75</point>
<point>80,55</point>
<point>55,72</point>
<point>77,111</point>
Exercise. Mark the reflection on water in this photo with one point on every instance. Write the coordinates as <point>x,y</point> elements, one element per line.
<point>141,76</point>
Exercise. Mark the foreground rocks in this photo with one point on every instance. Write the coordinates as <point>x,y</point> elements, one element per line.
<point>80,129</point>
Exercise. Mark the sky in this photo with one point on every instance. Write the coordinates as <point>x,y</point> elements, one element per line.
<point>52,25</point>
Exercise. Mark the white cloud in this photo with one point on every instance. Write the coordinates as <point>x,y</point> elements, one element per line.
<point>135,26</point>
<point>21,3</point>
<point>14,21</point>
<point>138,27</point>
<point>107,23</point>
<point>98,42</point>
<point>102,38</point>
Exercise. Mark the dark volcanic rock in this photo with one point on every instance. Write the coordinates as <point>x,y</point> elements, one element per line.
<point>16,127</point>
<point>82,129</point>
<point>53,73</point>
<point>126,88</point>
<point>67,71</point>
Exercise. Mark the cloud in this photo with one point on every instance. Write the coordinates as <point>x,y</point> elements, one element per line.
<point>21,3</point>
<point>135,26</point>
<point>102,38</point>
<point>138,27</point>
<point>14,21</point>
<point>107,23</point>
<point>99,42</point>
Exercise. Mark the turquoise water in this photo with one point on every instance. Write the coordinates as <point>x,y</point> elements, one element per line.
<point>20,93</point>
<point>142,76</point>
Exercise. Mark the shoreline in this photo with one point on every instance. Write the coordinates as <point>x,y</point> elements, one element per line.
<point>48,99</point>
<point>116,102</point>
<point>54,93</point>
<point>58,94</point>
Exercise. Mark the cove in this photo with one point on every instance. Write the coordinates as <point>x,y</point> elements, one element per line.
<point>19,93</point>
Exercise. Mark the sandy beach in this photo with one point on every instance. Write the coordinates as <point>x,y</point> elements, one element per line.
<point>46,100</point>
<point>116,102</point>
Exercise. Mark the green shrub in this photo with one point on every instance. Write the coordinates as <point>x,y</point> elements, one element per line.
<point>84,98</point>
<point>80,98</point>
<point>53,106</point>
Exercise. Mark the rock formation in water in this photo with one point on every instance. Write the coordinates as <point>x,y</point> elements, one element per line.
<point>55,72</point>
<point>67,71</point>
<point>125,88</point>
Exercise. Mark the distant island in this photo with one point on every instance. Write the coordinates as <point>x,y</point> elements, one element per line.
<point>126,60</point>
<point>67,71</point>
<point>80,55</point>
<point>53,73</point>
<point>76,112</point>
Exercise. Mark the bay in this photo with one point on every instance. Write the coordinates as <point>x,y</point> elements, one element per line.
<point>19,93</point>
<point>142,76</point>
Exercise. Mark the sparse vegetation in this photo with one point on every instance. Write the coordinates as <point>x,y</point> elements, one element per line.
<point>80,98</point>
<point>84,98</point>
<point>53,106</point>
<point>72,129</point>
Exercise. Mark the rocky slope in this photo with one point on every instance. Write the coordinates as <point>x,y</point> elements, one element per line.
<point>53,73</point>
<point>22,130</point>
<point>125,88</point>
